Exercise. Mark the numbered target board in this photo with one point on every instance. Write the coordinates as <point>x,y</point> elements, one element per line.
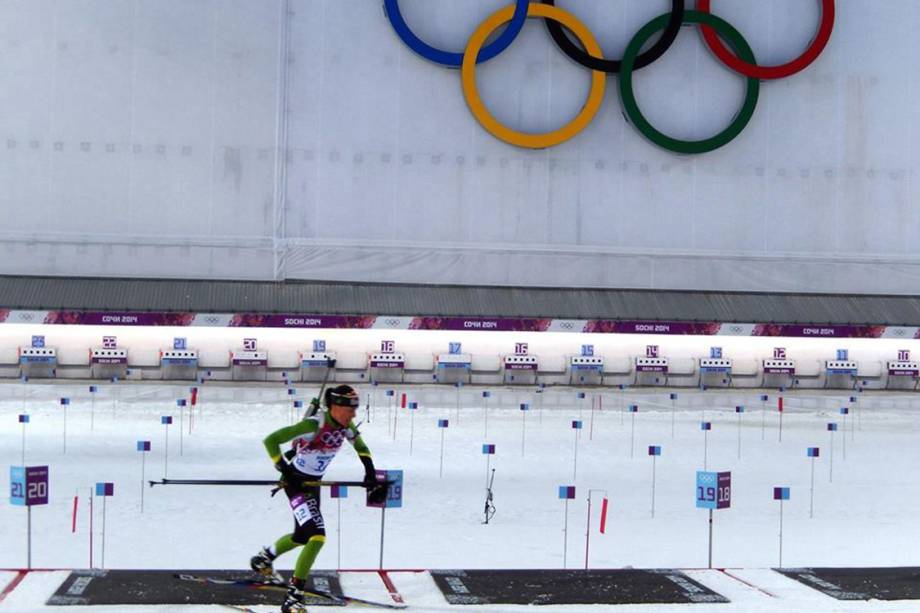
<point>394,489</point>
<point>713,490</point>
<point>28,485</point>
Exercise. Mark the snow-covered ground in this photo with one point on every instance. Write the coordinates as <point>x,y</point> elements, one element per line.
<point>866,517</point>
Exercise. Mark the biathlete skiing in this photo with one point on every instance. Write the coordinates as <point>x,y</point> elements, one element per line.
<point>316,441</point>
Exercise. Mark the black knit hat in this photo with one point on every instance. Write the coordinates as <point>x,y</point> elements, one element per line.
<point>344,395</point>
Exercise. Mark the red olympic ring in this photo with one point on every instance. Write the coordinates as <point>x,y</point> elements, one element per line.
<point>770,72</point>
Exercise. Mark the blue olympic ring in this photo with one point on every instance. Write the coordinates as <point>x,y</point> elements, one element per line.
<point>448,58</point>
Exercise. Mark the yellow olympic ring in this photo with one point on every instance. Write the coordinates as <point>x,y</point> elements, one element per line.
<point>525,139</point>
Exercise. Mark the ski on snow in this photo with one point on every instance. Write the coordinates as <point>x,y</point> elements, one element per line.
<point>327,598</point>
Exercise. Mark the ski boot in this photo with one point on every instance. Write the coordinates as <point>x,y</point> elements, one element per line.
<point>295,597</point>
<point>262,564</point>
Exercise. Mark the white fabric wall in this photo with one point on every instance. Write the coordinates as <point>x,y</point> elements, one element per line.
<point>144,138</point>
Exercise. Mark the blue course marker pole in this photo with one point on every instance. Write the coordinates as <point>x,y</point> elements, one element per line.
<point>576,427</point>
<point>739,410</point>
<point>105,490</point>
<point>338,492</point>
<point>831,428</point>
<point>633,409</point>
<point>413,407</point>
<point>442,424</point>
<point>485,412</point>
<point>143,447</point>
<point>654,451</point>
<point>23,419</point>
<point>566,493</point>
<point>706,426</point>
<point>457,386</point>
<point>845,411</point>
<point>763,416</point>
<point>673,411</point>
<point>781,494</point>
<point>166,420</point>
<point>524,408</point>
<point>180,404</point>
<point>65,402</point>
<point>92,407</point>
<point>622,405</point>
<point>813,452</point>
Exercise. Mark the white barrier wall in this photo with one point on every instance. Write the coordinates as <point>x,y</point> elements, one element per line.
<point>302,139</point>
<point>420,347</point>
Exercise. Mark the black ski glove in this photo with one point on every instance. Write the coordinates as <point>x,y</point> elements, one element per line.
<point>376,490</point>
<point>288,474</point>
<point>370,473</point>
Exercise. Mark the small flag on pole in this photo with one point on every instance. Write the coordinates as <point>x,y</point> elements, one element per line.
<point>402,401</point>
<point>486,394</point>
<point>105,489</point>
<point>764,398</point>
<point>634,408</point>
<point>413,405</point>
<point>832,427</point>
<point>194,393</point>
<point>604,516</point>
<point>338,491</point>
<point>525,406</point>
<point>65,401</point>
<point>181,402</point>
<point>298,404</point>
<point>673,396</point>
<point>166,419</point>
<point>93,389</point>
<point>443,423</point>
<point>23,419</point>
<point>488,449</point>
<point>291,391</point>
<point>566,492</point>
<point>814,452</point>
<point>581,395</point>
<point>739,409</point>
<point>780,493</point>
<point>852,398</point>
<point>844,410</point>
<point>779,404</point>
<point>143,445</point>
<point>654,450</point>
<point>706,425</point>
<point>576,424</point>
<point>390,393</point>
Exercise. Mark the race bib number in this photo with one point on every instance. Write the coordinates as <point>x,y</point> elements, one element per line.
<point>313,463</point>
<point>302,514</point>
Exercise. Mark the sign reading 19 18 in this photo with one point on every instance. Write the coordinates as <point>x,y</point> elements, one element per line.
<point>713,490</point>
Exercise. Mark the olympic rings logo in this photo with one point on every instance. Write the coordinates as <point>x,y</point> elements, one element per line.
<point>737,55</point>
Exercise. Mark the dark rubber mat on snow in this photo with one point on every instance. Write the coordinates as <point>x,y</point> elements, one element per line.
<point>619,586</point>
<point>171,587</point>
<point>894,583</point>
